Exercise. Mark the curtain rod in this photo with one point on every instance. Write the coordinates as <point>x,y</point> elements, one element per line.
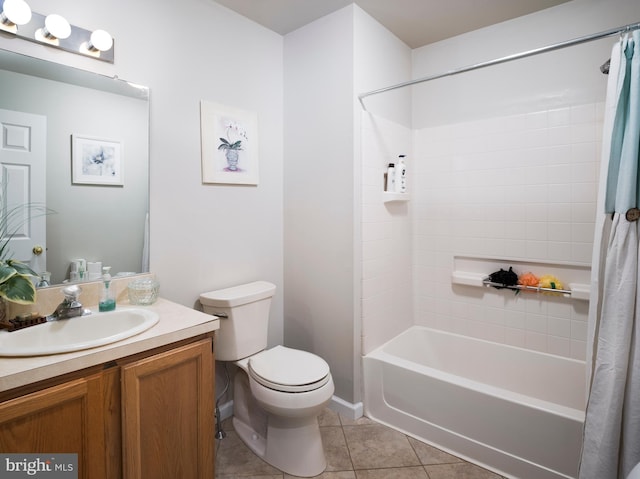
<point>557,46</point>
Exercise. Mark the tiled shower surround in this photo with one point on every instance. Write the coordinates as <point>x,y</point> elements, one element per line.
<point>519,187</point>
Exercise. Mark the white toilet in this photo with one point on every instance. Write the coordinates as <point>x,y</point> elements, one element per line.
<point>278,392</point>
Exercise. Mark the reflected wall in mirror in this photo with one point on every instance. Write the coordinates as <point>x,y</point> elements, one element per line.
<point>96,222</point>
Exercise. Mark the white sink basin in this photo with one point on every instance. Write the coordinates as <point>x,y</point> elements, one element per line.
<point>76,334</point>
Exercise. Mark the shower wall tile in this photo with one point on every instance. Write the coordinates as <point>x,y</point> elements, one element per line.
<point>518,187</point>
<point>559,117</point>
<point>387,256</point>
<point>559,346</point>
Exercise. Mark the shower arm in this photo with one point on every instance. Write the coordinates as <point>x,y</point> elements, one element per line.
<point>516,56</point>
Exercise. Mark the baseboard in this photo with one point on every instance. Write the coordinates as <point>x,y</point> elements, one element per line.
<point>346,409</point>
<point>342,407</point>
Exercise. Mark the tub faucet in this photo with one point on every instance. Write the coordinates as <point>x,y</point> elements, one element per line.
<point>70,306</point>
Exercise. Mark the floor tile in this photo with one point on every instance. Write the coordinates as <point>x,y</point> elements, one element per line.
<point>375,446</point>
<point>364,420</point>
<point>243,476</point>
<point>335,449</point>
<point>355,449</point>
<point>329,418</point>
<point>330,475</point>
<point>431,455</point>
<point>395,473</point>
<point>459,471</point>
<point>235,459</point>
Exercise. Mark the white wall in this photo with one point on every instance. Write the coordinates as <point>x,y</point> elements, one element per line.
<point>203,237</point>
<point>327,63</point>
<point>506,167</point>
<point>318,194</point>
<point>542,82</point>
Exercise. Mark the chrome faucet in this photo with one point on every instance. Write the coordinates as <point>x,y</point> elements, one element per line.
<point>70,306</point>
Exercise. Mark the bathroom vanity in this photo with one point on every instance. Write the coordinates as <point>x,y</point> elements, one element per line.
<point>142,407</point>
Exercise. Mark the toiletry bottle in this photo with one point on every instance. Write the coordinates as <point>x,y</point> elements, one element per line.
<point>401,176</point>
<point>107,297</point>
<point>391,178</point>
<point>82,270</point>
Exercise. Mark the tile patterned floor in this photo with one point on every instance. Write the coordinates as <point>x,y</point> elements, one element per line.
<point>360,449</point>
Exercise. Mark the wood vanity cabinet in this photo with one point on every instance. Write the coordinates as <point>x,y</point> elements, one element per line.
<point>168,414</point>
<point>71,417</point>
<point>149,416</point>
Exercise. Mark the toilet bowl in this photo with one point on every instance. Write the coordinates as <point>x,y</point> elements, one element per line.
<point>278,392</point>
<point>286,406</point>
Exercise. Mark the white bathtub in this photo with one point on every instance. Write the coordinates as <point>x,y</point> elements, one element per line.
<point>515,411</point>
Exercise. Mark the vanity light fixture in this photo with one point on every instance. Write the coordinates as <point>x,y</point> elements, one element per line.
<point>14,13</point>
<point>99,41</point>
<point>54,30</point>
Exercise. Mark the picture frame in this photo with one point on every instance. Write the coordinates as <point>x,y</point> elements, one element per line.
<point>96,161</point>
<point>229,144</point>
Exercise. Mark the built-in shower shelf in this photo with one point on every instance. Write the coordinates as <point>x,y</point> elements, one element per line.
<point>388,196</point>
<point>576,291</point>
<point>470,271</point>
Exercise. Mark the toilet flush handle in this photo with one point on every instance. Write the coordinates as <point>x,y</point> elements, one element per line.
<point>221,315</point>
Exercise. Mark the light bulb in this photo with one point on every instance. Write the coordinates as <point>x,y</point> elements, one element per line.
<point>100,40</point>
<point>56,26</point>
<point>15,12</point>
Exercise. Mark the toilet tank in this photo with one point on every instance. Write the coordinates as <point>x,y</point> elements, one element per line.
<point>243,331</point>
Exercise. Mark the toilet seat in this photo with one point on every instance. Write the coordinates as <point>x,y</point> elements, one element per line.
<point>289,370</point>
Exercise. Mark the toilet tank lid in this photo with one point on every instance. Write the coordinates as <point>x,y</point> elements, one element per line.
<point>238,295</point>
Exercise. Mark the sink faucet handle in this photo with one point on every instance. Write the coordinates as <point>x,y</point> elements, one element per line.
<point>71,293</point>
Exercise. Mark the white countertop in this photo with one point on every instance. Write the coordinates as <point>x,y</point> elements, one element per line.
<point>176,323</point>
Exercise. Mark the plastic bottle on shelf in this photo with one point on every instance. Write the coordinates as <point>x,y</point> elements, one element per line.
<point>401,176</point>
<point>391,178</point>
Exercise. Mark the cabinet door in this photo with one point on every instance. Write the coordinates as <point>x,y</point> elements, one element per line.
<point>168,414</point>
<point>68,418</point>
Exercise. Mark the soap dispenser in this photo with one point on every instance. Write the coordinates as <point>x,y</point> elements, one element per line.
<point>107,297</point>
<point>401,176</point>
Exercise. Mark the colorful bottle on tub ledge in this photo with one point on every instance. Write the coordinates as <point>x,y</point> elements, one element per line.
<point>107,296</point>
<point>401,176</point>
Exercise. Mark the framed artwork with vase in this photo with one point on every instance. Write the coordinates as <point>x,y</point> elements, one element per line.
<point>229,139</point>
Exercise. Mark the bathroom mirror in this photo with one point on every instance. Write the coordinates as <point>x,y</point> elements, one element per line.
<point>96,166</point>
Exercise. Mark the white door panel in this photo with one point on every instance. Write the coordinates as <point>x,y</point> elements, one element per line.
<point>23,151</point>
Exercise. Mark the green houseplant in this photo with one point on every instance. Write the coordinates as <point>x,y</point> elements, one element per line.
<point>16,282</point>
<point>16,278</point>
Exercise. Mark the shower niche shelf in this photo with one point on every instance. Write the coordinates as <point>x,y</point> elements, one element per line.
<point>475,271</point>
<point>389,196</point>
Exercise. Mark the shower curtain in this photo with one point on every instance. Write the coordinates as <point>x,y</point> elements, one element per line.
<point>612,427</point>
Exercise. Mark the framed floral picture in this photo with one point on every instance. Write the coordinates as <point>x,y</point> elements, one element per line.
<point>229,138</point>
<point>96,161</point>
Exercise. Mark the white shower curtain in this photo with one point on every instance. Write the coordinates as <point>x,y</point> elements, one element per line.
<point>612,428</point>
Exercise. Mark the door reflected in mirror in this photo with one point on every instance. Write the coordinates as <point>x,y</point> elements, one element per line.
<point>98,220</point>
